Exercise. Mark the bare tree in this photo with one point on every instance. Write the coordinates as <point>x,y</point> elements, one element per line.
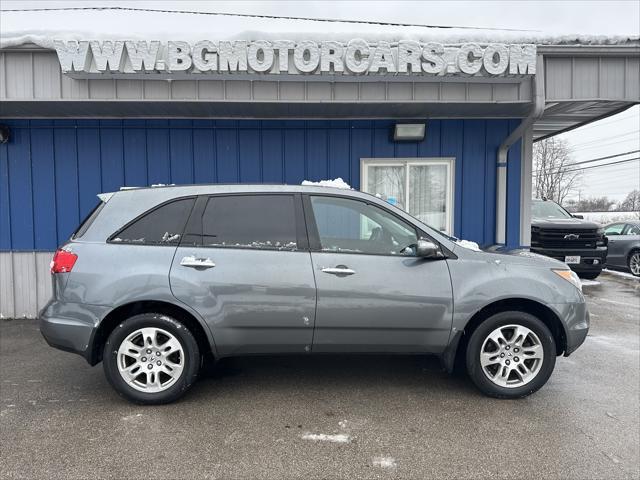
<point>554,175</point>
<point>632,202</point>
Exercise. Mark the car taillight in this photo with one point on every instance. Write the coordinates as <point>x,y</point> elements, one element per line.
<point>63,261</point>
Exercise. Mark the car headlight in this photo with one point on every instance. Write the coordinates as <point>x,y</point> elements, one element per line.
<point>570,276</point>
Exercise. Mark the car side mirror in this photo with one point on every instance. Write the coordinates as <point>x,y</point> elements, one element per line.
<point>575,215</point>
<point>427,249</point>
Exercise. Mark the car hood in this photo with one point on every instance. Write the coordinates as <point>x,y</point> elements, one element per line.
<point>518,256</point>
<point>563,223</point>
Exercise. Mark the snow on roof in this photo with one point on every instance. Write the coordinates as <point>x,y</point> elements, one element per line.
<point>43,27</point>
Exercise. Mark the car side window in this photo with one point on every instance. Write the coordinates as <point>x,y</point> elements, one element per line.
<point>352,226</point>
<point>161,226</point>
<point>615,229</point>
<point>250,221</point>
<point>633,230</point>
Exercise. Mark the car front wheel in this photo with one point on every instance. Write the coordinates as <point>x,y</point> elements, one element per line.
<point>511,355</point>
<point>151,359</point>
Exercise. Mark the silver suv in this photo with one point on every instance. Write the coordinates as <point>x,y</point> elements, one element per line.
<point>156,280</point>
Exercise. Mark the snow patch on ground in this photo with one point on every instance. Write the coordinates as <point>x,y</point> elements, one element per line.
<point>335,183</point>
<point>604,218</point>
<point>129,418</point>
<point>384,462</point>
<point>589,283</point>
<point>468,244</point>
<point>322,437</point>
<point>621,274</point>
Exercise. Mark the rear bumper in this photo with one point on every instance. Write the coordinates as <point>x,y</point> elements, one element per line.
<point>70,326</point>
<point>591,260</point>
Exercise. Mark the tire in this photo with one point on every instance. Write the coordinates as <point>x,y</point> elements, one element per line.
<point>633,263</point>
<point>540,369</point>
<point>589,275</point>
<point>175,354</point>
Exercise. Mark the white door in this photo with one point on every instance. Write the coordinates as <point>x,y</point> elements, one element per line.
<point>422,187</point>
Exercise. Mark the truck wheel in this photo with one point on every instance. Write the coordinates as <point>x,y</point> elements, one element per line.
<point>633,262</point>
<point>151,359</point>
<point>511,355</point>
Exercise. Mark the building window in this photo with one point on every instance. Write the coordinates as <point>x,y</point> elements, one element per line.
<point>423,187</point>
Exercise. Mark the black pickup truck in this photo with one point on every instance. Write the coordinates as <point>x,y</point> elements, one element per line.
<point>557,233</point>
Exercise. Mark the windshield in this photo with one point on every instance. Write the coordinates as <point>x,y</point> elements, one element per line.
<point>548,209</point>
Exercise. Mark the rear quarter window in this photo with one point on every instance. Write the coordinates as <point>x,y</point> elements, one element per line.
<point>86,223</point>
<point>162,225</point>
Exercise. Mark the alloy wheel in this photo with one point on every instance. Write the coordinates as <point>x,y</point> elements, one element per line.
<point>634,263</point>
<point>150,359</point>
<point>511,356</point>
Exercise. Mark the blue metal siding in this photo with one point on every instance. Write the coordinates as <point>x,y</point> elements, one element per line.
<point>51,170</point>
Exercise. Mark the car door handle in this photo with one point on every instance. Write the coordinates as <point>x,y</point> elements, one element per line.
<point>194,262</point>
<point>339,270</point>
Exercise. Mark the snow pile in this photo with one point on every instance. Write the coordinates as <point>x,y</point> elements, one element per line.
<point>618,273</point>
<point>468,244</point>
<point>336,183</point>
<point>385,462</point>
<point>42,27</point>
<point>323,437</point>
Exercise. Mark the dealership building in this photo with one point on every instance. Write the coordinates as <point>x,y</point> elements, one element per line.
<point>440,122</point>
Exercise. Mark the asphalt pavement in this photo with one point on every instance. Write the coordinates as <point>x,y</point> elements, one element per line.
<point>330,417</point>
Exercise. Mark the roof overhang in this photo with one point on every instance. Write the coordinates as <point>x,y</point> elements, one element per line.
<point>583,83</point>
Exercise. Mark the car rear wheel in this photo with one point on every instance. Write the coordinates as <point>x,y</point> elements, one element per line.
<point>511,355</point>
<point>634,263</point>
<point>151,359</point>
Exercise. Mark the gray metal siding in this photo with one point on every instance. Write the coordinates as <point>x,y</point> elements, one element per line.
<point>593,78</point>
<point>36,75</point>
<point>25,283</point>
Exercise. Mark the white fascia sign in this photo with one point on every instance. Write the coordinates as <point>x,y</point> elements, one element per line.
<point>155,59</point>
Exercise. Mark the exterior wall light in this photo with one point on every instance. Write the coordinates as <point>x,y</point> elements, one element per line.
<point>409,132</point>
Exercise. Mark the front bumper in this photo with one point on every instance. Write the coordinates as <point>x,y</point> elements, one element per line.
<point>70,326</point>
<point>591,260</point>
<point>576,321</point>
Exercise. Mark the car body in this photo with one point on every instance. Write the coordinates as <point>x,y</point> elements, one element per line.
<point>227,270</point>
<point>558,234</point>
<point>624,245</point>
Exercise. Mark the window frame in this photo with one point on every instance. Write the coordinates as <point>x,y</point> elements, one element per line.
<point>111,237</point>
<point>408,162</point>
<point>628,227</point>
<point>314,237</point>
<point>195,226</point>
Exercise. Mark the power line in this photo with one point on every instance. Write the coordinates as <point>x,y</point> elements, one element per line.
<point>608,144</point>
<point>597,124</point>
<point>593,160</point>
<point>271,17</point>
<point>589,167</point>
<point>603,165</point>
<point>609,137</point>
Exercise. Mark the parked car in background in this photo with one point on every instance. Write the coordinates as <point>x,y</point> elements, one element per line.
<point>624,245</point>
<point>156,279</point>
<point>569,238</point>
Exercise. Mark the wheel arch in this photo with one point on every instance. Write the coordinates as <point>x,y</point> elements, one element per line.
<point>525,305</point>
<point>632,250</point>
<point>122,312</point>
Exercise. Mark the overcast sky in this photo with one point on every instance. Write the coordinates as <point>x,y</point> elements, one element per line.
<point>610,136</point>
